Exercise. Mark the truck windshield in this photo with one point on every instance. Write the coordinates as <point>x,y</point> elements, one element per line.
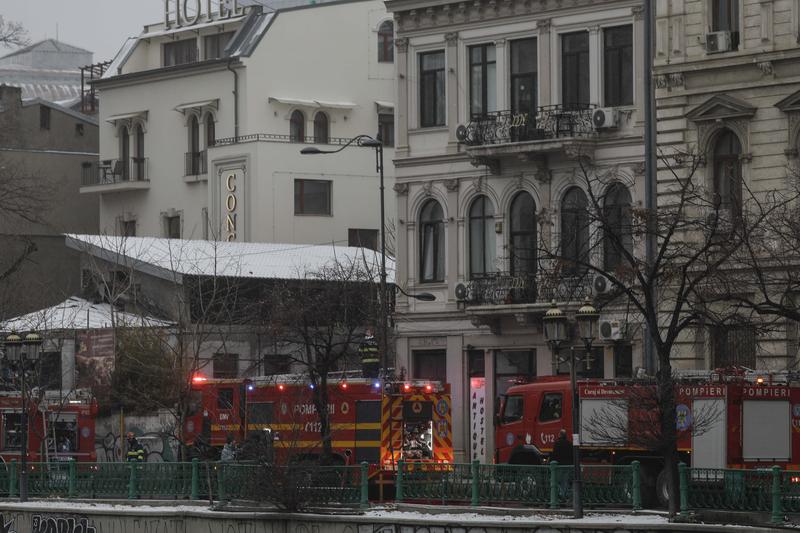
<point>512,411</point>
<point>551,407</point>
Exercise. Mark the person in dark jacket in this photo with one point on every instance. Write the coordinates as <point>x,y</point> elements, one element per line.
<point>135,450</point>
<point>370,356</point>
<point>562,454</point>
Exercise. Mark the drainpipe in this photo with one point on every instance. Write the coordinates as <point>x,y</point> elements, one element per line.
<point>235,101</point>
<point>650,165</point>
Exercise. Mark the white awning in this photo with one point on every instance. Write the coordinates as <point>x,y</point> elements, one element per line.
<point>384,105</point>
<point>312,103</point>
<point>198,106</point>
<point>114,119</point>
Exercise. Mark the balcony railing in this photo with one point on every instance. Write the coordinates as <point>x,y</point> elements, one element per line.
<point>196,163</point>
<point>112,171</point>
<point>549,123</point>
<point>271,137</point>
<point>498,288</point>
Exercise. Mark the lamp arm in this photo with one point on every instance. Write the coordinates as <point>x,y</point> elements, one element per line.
<point>358,139</point>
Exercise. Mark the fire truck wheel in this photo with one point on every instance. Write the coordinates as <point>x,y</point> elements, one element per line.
<point>662,489</point>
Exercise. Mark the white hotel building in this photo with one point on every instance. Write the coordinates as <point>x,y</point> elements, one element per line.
<point>203,117</point>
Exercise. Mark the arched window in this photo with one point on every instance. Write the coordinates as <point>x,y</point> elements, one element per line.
<point>139,161</point>
<point>617,235</point>
<point>297,127</point>
<point>386,42</point>
<point>211,130</point>
<point>523,234</point>
<point>321,128</point>
<point>431,238</point>
<point>481,237</point>
<point>193,156</point>
<point>574,232</point>
<point>728,172</point>
<point>124,155</point>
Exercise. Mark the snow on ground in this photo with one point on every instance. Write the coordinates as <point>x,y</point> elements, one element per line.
<point>644,519</point>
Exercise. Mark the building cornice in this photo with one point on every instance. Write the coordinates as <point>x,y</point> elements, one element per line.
<point>739,59</point>
<point>431,159</point>
<point>166,73</point>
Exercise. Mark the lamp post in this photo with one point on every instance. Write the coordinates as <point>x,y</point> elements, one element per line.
<point>22,355</point>
<point>555,331</point>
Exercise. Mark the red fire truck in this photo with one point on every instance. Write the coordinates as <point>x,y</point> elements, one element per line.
<point>58,428</point>
<point>379,424</point>
<point>750,421</point>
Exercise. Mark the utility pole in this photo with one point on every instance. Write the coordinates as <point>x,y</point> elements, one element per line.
<point>650,173</point>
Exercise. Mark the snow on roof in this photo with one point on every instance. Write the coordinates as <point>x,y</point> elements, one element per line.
<point>172,258</point>
<point>77,313</point>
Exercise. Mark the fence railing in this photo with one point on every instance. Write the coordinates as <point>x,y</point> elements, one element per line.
<point>545,123</point>
<point>195,163</point>
<point>273,137</point>
<point>112,171</point>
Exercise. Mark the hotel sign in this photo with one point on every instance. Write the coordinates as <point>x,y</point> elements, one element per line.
<point>183,13</point>
<point>231,204</point>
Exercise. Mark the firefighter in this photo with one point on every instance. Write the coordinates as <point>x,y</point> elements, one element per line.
<point>135,450</point>
<point>562,454</point>
<point>370,358</point>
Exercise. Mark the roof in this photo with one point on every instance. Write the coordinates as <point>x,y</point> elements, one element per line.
<point>77,313</point>
<point>173,258</point>
<point>58,107</point>
<point>51,45</point>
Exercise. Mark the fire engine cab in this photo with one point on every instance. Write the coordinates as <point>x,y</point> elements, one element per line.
<point>379,423</point>
<point>749,421</point>
<point>59,428</point>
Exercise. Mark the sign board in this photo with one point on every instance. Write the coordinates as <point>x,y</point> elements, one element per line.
<point>231,194</point>
<point>185,13</point>
<point>477,418</point>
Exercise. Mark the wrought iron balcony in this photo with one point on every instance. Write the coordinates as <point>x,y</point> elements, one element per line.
<point>549,123</point>
<point>196,163</point>
<point>121,174</point>
<point>499,288</point>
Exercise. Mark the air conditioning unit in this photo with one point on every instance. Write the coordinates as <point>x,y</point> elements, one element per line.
<point>719,41</point>
<point>611,330</point>
<point>601,285</point>
<point>604,118</point>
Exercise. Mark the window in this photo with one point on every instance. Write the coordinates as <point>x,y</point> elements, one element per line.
<point>429,364</point>
<point>312,197</point>
<point>211,130</point>
<point>180,52</point>
<point>127,228</point>
<point>574,232</point>
<point>482,80</point>
<point>366,238</point>
<point>124,153</point>
<point>523,76</point>
<point>728,172</point>
<point>297,127</point>
<point>482,246</point>
<point>172,227</point>
<point>386,42</point>
<point>733,345</point>
<point>138,161</point>
<point>511,368</point>
<point>575,69</point>
<point>215,44</point>
<point>725,17</point>
<point>513,410</point>
<point>79,130</point>
<point>431,89</point>
<point>225,399</point>
<point>523,234</point>
<point>476,363</point>
<point>386,129</point>
<point>12,431</point>
<point>617,226</point>
<point>44,117</point>
<point>618,66</point>
<point>623,361</point>
<point>50,371</point>
<point>321,128</point>
<point>431,238</point>
<point>226,365</point>
<point>276,363</point>
<point>551,408</point>
<point>260,412</point>
<point>193,156</point>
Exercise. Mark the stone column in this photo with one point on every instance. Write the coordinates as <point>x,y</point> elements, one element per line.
<point>459,397</point>
<point>595,72</point>
<point>451,64</point>
<point>404,273</point>
<point>451,237</point>
<point>502,69</point>
<point>401,106</point>
<point>639,48</point>
<point>491,408</point>
<point>545,96</point>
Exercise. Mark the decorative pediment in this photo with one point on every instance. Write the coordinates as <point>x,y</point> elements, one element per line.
<point>790,103</point>
<point>721,107</point>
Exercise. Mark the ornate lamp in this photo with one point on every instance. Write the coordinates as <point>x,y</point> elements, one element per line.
<point>587,318</point>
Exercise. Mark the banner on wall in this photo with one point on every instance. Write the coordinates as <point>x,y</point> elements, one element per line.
<point>477,394</point>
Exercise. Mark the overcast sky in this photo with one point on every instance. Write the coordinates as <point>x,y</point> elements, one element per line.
<point>100,26</point>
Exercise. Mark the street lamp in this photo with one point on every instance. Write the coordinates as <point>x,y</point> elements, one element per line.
<point>555,331</point>
<point>22,355</point>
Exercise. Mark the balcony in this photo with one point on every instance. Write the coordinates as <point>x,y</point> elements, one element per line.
<point>271,137</point>
<point>554,128</point>
<point>115,175</point>
<point>196,163</point>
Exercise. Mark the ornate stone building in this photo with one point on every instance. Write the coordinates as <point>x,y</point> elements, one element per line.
<point>727,88</point>
<point>499,105</point>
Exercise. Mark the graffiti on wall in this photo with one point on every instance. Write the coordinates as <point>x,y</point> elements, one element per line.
<point>158,446</point>
<point>60,524</point>
<point>6,527</point>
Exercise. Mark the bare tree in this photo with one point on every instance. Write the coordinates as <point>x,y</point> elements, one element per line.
<point>12,33</point>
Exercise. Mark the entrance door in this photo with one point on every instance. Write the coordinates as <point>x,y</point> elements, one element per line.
<point>708,448</point>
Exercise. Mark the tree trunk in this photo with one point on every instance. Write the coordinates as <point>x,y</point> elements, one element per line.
<point>321,403</point>
<point>669,434</point>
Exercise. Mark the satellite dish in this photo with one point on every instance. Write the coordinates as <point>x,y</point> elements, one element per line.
<point>461,133</point>
<point>461,292</point>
